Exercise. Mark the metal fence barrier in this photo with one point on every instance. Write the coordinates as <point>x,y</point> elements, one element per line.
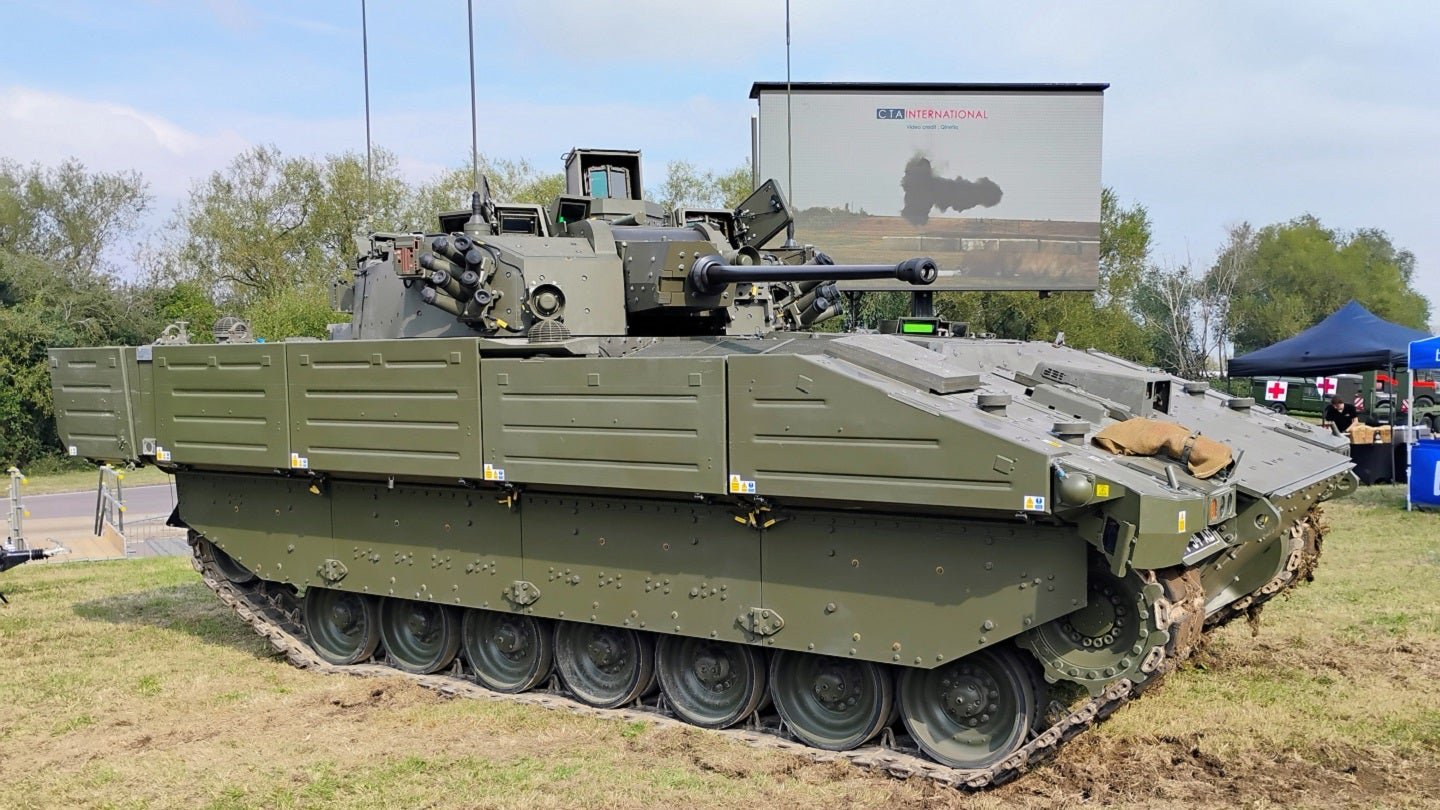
<point>15,527</point>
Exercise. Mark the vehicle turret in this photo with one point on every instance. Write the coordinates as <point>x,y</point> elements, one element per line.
<point>603,263</point>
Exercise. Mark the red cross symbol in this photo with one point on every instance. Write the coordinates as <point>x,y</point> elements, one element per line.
<point>1276,390</point>
<point>1326,385</point>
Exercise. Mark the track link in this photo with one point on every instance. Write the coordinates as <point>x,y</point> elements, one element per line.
<point>273,612</point>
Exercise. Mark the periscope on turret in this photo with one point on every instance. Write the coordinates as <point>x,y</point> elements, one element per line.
<point>596,439</point>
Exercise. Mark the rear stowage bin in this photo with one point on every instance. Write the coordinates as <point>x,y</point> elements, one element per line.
<point>222,405</point>
<point>92,404</point>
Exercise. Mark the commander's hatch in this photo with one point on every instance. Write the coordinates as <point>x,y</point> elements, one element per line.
<point>762,215</point>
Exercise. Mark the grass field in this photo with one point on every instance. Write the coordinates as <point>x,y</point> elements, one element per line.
<point>129,685</point>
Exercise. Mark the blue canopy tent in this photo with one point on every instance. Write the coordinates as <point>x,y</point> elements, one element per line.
<point>1424,484</point>
<point>1352,339</point>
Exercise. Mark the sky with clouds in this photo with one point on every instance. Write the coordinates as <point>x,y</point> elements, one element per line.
<point>1218,112</point>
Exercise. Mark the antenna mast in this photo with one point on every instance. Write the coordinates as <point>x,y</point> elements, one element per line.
<point>477,206</point>
<point>365,57</point>
<point>789,139</point>
<point>474,134</point>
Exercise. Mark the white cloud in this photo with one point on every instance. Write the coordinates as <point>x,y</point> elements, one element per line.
<point>44,127</point>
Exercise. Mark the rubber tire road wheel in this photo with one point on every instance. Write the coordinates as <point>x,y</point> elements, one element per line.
<point>831,703</point>
<point>971,713</point>
<point>604,667</point>
<point>510,652</point>
<point>419,637</point>
<point>711,684</point>
<point>344,627</point>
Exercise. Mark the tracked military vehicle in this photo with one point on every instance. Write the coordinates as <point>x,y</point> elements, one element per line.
<point>591,454</point>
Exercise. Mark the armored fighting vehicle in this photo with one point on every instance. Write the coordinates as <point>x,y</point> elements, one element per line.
<point>593,452</point>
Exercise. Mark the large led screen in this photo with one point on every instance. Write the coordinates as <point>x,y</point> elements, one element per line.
<point>1000,184</point>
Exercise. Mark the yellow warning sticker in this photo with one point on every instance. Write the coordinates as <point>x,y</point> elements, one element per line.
<point>493,473</point>
<point>299,462</point>
<point>1180,521</point>
<point>1034,503</point>
<point>161,454</point>
<point>1102,490</point>
<point>740,486</point>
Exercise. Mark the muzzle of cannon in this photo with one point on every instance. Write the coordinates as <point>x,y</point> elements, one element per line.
<point>709,275</point>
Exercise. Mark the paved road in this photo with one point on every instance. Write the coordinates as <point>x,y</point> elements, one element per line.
<point>139,502</point>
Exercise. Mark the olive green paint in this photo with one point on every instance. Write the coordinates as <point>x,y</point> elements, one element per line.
<point>93,403</point>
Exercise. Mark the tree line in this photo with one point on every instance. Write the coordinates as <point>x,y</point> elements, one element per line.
<point>264,237</point>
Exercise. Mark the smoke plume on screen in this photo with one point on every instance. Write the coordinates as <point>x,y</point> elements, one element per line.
<point>925,190</point>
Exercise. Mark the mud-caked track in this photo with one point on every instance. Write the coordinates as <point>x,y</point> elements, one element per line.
<point>275,612</point>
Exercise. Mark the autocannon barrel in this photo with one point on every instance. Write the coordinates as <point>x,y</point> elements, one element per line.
<point>710,274</point>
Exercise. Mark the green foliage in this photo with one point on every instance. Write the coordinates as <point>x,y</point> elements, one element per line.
<point>296,312</point>
<point>269,222</point>
<point>516,181</point>
<point>249,231</point>
<point>187,301</point>
<point>1124,246</point>
<point>735,185</point>
<point>687,186</point>
<point>25,404</point>
<point>60,229</point>
<point>1298,272</point>
<point>67,216</point>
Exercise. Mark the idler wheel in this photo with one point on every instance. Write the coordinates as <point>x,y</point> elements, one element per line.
<point>344,628</point>
<point>605,667</point>
<point>510,652</point>
<point>712,684</point>
<point>1117,634</point>
<point>419,637</point>
<point>974,712</point>
<point>831,703</point>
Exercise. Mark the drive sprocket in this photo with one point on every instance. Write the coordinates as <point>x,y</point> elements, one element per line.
<point>1129,627</point>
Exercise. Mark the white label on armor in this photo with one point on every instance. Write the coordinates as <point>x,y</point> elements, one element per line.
<point>299,462</point>
<point>1034,503</point>
<point>1180,521</point>
<point>161,454</point>
<point>493,473</point>
<point>740,486</point>
<point>74,451</point>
